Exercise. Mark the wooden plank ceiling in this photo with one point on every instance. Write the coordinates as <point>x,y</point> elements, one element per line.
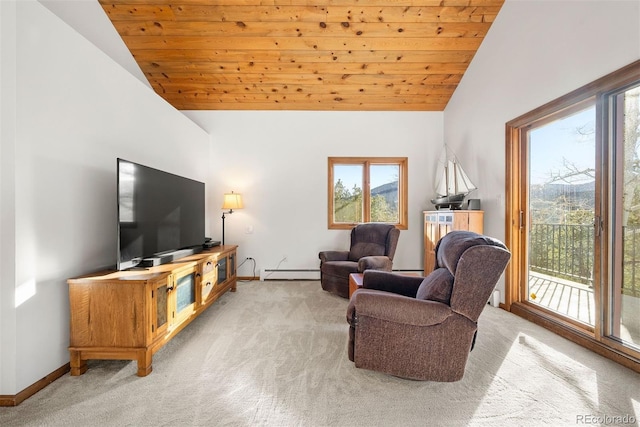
<point>402,55</point>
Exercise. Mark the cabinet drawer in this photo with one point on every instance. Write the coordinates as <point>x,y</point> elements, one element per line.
<point>207,283</point>
<point>208,266</point>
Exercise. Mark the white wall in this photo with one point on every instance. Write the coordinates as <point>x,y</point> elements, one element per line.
<point>88,18</point>
<point>278,161</point>
<point>536,51</point>
<point>7,193</point>
<point>76,112</point>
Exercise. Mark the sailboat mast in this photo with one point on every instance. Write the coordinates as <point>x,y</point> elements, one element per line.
<point>455,177</point>
<point>446,178</point>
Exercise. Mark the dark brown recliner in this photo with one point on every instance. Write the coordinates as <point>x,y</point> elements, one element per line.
<point>373,246</point>
<point>423,328</point>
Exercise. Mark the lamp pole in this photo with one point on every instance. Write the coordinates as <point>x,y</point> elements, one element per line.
<point>231,201</point>
<point>230,212</point>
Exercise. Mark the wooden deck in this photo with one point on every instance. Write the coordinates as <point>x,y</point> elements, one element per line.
<point>571,299</point>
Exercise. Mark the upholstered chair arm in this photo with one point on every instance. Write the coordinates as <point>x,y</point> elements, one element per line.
<point>334,256</point>
<point>379,262</point>
<point>396,308</point>
<point>391,282</point>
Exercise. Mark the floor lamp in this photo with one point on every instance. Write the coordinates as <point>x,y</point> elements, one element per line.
<point>231,201</point>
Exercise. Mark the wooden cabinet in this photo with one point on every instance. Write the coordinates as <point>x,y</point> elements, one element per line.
<point>215,273</point>
<point>160,308</point>
<point>439,223</point>
<point>131,314</point>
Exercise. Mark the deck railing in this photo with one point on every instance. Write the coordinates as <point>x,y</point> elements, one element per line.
<point>566,251</point>
<point>631,270</point>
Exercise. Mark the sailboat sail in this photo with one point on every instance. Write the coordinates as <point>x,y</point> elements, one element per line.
<point>453,183</point>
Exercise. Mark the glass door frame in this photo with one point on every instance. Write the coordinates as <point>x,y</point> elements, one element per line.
<point>517,212</point>
<point>611,127</point>
<point>516,219</point>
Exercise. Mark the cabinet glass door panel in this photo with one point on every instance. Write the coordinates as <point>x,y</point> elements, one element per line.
<point>222,270</point>
<point>185,291</point>
<point>232,265</point>
<point>561,213</point>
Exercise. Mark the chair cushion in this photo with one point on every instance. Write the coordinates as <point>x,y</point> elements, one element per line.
<point>369,240</point>
<point>451,247</point>
<point>437,286</point>
<point>363,249</point>
<point>339,268</point>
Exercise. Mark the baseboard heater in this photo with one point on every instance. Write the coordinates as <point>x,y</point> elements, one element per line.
<point>281,274</point>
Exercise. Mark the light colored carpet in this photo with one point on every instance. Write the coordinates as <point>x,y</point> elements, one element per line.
<point>275,354</point>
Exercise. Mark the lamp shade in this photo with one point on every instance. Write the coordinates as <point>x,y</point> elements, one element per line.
<point>232,201</point>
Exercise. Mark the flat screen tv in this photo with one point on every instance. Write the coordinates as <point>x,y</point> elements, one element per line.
<point>160,215</point>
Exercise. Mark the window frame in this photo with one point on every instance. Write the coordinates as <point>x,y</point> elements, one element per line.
<point>366,163</point>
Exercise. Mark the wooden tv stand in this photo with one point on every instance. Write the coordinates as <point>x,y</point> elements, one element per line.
<point>129,315</point>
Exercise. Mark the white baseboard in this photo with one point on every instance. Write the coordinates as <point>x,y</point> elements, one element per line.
<point>281,274</point>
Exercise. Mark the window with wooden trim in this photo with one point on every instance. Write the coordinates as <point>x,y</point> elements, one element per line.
<point>367,189</point>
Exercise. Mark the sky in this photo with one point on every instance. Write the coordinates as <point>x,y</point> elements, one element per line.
<point>571,138</point>
<point>352,174</point>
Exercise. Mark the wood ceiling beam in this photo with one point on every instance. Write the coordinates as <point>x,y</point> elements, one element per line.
<point>176,68</point>
<point>306,12</point>
<point>308,106</point>
<point>376,3</point>
<point>301,43</point>
<point>376,98</point>
<point>310,79</point>
<point>300,29</point>
<point>240,55</point>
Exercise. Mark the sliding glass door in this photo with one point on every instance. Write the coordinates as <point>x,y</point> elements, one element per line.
<point>561,210</point>
<point>623,110</point>
<point>573,215</point>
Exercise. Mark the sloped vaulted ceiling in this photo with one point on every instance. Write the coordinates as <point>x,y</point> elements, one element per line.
<point>403,55</point>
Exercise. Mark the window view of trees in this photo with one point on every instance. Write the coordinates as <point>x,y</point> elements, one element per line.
<point>382,210</point>
<point>629,101</point>
<point>347,203</point>
<point>562,204</point>
<point>367,190</point>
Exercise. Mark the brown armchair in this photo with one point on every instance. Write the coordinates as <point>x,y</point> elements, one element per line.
<point>373,246</point>
<point>423,328</point>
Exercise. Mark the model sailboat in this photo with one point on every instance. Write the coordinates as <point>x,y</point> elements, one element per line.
<point>452,184</point>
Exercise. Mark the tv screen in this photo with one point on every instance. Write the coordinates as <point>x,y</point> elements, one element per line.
<point>158,213</point>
